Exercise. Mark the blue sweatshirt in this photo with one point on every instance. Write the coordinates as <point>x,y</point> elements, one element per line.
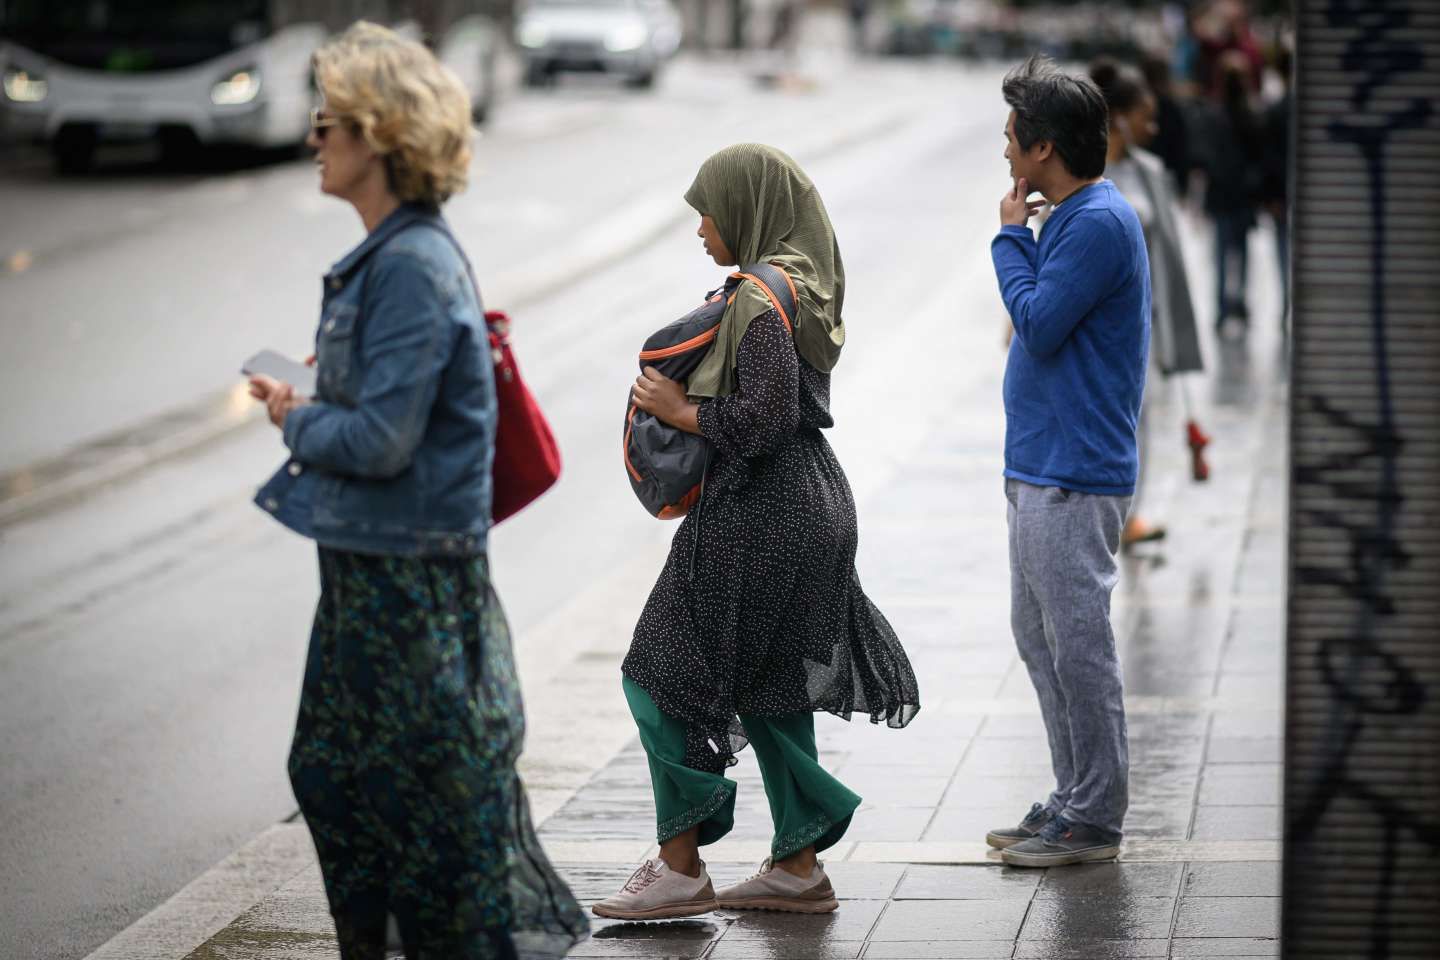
<point>1080,303</point>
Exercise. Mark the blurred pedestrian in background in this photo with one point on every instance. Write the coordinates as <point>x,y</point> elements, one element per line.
<point>1171,142</point>
<point>1222,32</point>
<point>759,610</point>
<point>1275,176</point>
<point>1232,157</point>
<point>410,717</point>
<point>1079,299</point>
<point>1142,178</point>
<point>859,24</point>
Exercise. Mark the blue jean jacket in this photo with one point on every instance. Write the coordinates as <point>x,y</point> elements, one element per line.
<point>394,454</point>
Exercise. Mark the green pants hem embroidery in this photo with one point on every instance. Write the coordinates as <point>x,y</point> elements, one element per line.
<point>807,804</point>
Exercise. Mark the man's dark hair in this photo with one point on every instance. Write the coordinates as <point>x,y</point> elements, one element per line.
<point>1068,111</point>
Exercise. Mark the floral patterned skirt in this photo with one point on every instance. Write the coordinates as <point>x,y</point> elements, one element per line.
<point>404,766</point>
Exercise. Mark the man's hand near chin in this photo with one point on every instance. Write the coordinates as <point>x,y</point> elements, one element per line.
<point>1015,207</point>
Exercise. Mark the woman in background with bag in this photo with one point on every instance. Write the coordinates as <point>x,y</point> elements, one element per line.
<point>410,717</point>
<point>1175,340</point>
<point>758,620</point>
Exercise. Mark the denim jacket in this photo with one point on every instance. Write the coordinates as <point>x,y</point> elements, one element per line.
<point>393,455</point>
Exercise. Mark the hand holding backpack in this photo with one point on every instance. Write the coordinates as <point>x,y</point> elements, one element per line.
<point>666,465</point>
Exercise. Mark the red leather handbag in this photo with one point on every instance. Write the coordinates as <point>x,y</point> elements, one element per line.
<point>527,458</point>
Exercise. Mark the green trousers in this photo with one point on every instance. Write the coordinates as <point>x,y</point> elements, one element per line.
<point>808,805</point>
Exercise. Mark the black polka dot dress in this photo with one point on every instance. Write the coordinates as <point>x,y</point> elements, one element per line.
<point>759,608</point>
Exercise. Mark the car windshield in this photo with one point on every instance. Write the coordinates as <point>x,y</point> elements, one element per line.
<point>131,36</point>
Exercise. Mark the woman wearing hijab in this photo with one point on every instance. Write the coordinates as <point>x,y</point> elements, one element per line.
<point>758,620</point>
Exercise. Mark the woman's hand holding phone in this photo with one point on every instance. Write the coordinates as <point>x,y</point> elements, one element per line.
<point>279,398</point>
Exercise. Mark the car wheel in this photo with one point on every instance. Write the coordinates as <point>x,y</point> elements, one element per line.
<point>74,150</point>
<point>539,75</point>
<point>641,81</point>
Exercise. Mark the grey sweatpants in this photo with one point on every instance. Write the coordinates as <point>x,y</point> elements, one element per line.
<point>1062,571</point>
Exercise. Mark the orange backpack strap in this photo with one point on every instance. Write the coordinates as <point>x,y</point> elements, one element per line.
<point>777,287</point>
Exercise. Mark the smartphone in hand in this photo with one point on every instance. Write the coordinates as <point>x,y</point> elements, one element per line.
<point>282,368</point>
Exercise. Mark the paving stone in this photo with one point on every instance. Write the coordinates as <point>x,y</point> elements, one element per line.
<point>1019,756</point>
<point>941,950</point>
<point>981,790</point>
<point>1241,785</point>
<point>1099,918</point>
<point>883,787</point>
<point>1166,820</point>
<point>1233,880</point>
<point>1245,750</point>
<point>1241,723</point>
<point>1242,686</point>
<point>853,921</point>
<point>971,823</point>
<point>789,948</point>
<point>1205,948</point>
<point>926,920</point>
<point>1177,788</point>
<point>1228,917</point>
<point>1166,728</point>
<point>898,824</point>
<point>1111,879</point>
<point>935,882</point>
<point>1013,727</point>
<point>1091,949</point>
<point>1237,823</point>
<point>671,938</point>
<point>864,881</point>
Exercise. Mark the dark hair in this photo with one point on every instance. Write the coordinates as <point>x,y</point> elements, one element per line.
<point>1122,86</point>
<point>1067,111</point>
<point>1157,71</point>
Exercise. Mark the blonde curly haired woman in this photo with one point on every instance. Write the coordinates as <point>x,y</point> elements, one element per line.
<point>410,718</point>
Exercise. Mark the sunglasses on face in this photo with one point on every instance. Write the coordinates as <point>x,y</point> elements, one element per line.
<point>321,122</point>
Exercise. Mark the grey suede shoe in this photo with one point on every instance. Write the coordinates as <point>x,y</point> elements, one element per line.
<point>776,889</point>
<point>1060,843</point>
<point>655,892</point>
<point>1028,827</point>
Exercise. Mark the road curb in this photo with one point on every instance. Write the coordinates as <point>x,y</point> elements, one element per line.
<point>210,903</point>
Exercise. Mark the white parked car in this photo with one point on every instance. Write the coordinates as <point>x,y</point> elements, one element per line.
<point>632,38</point>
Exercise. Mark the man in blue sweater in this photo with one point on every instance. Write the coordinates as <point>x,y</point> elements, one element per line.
<point>1079,300</point>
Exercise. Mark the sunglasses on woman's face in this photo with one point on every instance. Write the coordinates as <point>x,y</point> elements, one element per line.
<point>321,122</point>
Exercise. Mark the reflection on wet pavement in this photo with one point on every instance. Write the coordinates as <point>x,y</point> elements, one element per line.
<point>1199,622</point>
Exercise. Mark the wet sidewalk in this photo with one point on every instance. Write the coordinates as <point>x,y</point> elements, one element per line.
<point>1199,618</point>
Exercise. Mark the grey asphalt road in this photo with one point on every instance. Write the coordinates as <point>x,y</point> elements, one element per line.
<point>152,635</point>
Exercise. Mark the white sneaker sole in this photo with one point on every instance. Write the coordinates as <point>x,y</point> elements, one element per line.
<point>782,904</point>
<point>1016,858</point>
<point>666,911</point>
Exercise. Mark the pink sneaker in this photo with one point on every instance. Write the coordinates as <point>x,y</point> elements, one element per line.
<point>776,889</point>
<point>655,892</point>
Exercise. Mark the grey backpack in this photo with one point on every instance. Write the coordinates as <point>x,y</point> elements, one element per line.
<point>667,466</point>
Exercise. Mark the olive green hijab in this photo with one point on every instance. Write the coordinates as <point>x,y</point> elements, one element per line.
<point>767,211</point>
